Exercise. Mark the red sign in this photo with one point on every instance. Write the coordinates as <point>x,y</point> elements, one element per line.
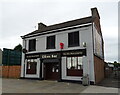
<point>61,45</point>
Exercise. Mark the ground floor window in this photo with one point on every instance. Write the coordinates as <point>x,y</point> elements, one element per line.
<point>74,66</point>
<point>31,67</point>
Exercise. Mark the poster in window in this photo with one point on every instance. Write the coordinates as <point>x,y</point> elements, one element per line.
<point>79,60</point>
<point>74,62</point>
<point>69,62</point>
<point>28,65</point>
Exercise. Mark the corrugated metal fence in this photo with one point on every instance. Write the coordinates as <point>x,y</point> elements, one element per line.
<point>11,57</point>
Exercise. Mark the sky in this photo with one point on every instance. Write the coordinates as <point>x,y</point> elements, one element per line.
<point>19,17</point>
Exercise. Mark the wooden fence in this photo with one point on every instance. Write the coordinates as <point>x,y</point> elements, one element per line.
<point>10,71</point>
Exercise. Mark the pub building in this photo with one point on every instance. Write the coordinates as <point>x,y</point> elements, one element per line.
<point>66,51</point>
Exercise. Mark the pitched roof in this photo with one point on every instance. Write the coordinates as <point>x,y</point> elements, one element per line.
<point>62,25</point>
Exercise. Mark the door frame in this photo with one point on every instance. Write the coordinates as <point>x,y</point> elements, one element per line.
<point>47,72</point>
<point>45,61</point>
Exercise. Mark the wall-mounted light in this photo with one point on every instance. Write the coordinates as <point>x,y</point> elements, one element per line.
<point>84,44</point>
<point>36,39</point>
<point>24,50</point>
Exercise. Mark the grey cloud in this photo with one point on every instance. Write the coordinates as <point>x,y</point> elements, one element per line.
<point>19,18</point>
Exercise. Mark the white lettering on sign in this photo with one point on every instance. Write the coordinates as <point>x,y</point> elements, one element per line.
<point>72,53</point>
<point>49,56</point>
<point>54,56</point>
<point>32,56</point>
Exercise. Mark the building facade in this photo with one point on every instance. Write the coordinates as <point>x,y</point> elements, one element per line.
<point>66,51</point>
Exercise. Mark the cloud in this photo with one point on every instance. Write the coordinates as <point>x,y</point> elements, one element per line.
<point>10,42</point>
<point>111,51</point>
<point>110,35</point>
<point>20,17</point>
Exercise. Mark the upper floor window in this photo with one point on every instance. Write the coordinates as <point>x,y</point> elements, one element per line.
<point>73,39</point>
<point>51,42</point>
<point>32,45</point>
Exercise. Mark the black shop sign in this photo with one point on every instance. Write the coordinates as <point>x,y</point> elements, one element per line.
<point>49,56</point>
<point>81,52</point>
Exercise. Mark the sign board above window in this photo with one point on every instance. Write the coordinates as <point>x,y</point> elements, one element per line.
<point>81,52</point>
<point>48,56</point>
<point>57,54</point>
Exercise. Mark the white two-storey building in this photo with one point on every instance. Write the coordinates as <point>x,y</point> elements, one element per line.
<point>66,51</point>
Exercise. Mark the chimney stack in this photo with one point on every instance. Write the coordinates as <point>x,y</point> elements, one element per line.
<point>95,12</point>
<point>95,15</point>
<point>41,26</point>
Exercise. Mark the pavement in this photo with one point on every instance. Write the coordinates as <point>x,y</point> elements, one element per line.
<point>100,89</point>
<point>108,85</point>
<point>111,84</point>
<point>36,86</point>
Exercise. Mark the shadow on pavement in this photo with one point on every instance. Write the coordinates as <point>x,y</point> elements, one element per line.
<point>111,81</point>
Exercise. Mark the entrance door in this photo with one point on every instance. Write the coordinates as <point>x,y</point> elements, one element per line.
<point>51,71</point>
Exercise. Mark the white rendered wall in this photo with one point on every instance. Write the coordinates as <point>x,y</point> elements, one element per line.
<point>22,61</point>
<point>60,37</point>
<point>97,43</point>
<point>85,34</point>
<point>88,63</point>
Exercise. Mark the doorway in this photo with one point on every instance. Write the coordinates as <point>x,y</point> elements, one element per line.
<point>51,71</point>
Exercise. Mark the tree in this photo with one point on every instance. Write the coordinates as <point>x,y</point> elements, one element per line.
<point>18,48</point>
<point>116,64</point>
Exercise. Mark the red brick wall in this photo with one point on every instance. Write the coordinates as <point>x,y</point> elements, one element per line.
<point>99,69</point>
<point>0,71</point>
<point>11,71</point>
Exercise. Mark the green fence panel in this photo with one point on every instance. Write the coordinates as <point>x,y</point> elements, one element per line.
<point>11,57</point>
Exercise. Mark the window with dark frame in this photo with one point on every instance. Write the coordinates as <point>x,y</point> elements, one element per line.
<point>74,63</point>
<point>31,67</point>
<point>51,42</point>
<point>32,45</point>
<point>73,39</point>
<point>74,66</point>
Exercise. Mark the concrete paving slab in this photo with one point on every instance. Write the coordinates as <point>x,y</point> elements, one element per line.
<point>100,89</point>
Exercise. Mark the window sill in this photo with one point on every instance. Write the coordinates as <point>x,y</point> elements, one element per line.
<point>50,48</point>
<point>32,51</point>
<point>73,46</point>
